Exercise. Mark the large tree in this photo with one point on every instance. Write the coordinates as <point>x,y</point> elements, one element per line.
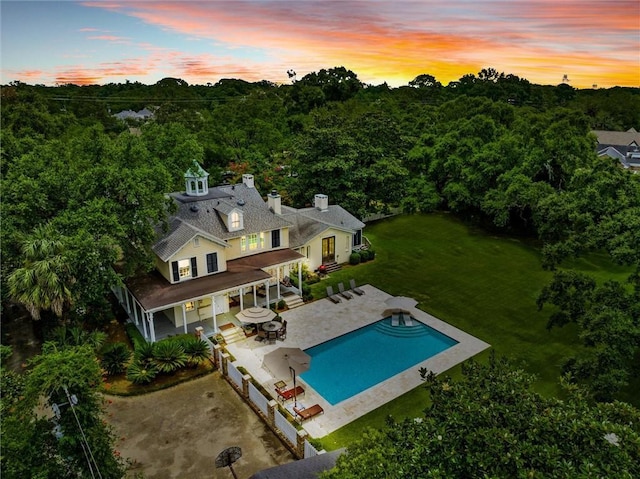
<point>490,424</point>
<point>52,424</point>
<point>43,281</point>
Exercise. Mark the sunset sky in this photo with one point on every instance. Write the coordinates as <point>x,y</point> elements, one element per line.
<point>98,42</point>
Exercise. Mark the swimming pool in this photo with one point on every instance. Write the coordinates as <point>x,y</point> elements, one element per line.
<point>347,365</point>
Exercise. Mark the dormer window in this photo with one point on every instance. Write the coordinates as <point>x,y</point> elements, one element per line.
<point>234,221</point>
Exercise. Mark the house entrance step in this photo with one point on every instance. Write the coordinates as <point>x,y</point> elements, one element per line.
<point>332,267</point>
<point>293,301</point>
<point>232,335</point>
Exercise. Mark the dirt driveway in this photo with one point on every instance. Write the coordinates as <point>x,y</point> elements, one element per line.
<point>178,432</point>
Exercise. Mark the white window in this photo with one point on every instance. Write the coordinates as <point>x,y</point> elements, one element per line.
<point>253,241</point>
<point>196,242</point>
<point>243,243</point>
<point>184,268</point>
<point>234,221</point>
<point>189,306</point>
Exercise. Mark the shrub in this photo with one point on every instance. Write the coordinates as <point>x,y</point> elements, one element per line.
<point>5,353</point>
<point>281,304</point>
<point>372,254</point>
<point>169,356</point>
<point>306,293</point>
<point>134,335</point>
<point>141,373</point>
<point>312,279</point>
<point>196,350</point>
<point>115,358</point>
<point>354,258</point>
<point>364,255</point>
<point>145,353</point>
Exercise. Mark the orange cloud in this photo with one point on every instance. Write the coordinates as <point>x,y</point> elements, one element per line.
<point>592,41</point>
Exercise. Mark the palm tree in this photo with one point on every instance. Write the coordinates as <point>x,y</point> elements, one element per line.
<point>42,282</point>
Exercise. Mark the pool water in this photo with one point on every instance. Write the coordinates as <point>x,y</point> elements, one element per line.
<point>347,365</point>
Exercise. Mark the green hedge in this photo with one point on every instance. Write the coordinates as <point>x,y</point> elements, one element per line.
<point>134,335</point>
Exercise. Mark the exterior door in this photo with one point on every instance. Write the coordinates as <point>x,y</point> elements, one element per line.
<point>328,249</point>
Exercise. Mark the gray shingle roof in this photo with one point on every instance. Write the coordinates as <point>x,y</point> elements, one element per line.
<point>309,468</point>
<point>309,222</point>
<point>202,215</point>
<point>617,138</point>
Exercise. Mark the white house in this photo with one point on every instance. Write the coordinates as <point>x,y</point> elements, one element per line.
<point>226,247</point>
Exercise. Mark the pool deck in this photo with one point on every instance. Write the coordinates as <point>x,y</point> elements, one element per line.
<point>323,320</point>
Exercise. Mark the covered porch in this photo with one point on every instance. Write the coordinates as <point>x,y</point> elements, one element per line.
<point>160,309</point>
<point>165,328</point>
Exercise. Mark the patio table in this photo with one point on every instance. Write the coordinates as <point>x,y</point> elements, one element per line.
<point>271,326</point>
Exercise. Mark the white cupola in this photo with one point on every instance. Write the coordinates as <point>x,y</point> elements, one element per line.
<point>196,180</point>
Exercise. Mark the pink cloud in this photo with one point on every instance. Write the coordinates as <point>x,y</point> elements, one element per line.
<point>399,39</point>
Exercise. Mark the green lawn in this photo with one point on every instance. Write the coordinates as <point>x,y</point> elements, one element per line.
<point>483,284</point>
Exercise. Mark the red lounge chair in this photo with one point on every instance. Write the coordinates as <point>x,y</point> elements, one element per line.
<point>288,394</point>
<point>309,412</point>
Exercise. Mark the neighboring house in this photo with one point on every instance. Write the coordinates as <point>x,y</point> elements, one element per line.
<point>623,146</point>
<point>225,247</point>
<point>309,468</point>
<point>143,114</point>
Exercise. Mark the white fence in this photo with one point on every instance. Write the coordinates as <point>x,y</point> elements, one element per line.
<point>235,375</point>
<point>258,399</point>
<point>285,427</point>
<point>265,406</point>
<point>309,450</point>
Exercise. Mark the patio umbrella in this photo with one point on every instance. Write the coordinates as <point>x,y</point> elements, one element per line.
<point>283,362</point>
<point>255,315</point>
<point>399,304</point>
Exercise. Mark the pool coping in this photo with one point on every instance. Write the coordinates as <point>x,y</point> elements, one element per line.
<point>322,320</point>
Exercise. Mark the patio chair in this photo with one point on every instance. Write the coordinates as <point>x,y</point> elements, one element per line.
<point>332,296</point>
<point>344,293</point>
<point>354,288</point>
<point>286,281</point>
<point>408,320</point>
<point>289,393</point>
<point>282,332</point>
<point>308,413</point>
<point>395,319</point>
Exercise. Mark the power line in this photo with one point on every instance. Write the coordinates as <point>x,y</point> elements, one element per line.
<point>91,462</point>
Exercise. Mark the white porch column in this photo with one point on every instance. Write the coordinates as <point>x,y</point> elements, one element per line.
<point>135,311</point>
<point>278,283</point>
<point>184,316</point>
<point>213,313</point>
<point>267,289</point>
<point>255,297</point>
<point>241,298</point>
<point>144,326</point>
<point>152,328</point>
<point>128,305</point>
<point>300,277</point>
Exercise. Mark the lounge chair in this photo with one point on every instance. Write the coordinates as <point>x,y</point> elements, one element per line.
<point>289,393</point>
<point>395,319</point>
<point>354,288</point>
<point>344,293</point>
<point>309,412</point>
<point>408,321</point>
<point>332,296</point>
<point>286,282</point>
